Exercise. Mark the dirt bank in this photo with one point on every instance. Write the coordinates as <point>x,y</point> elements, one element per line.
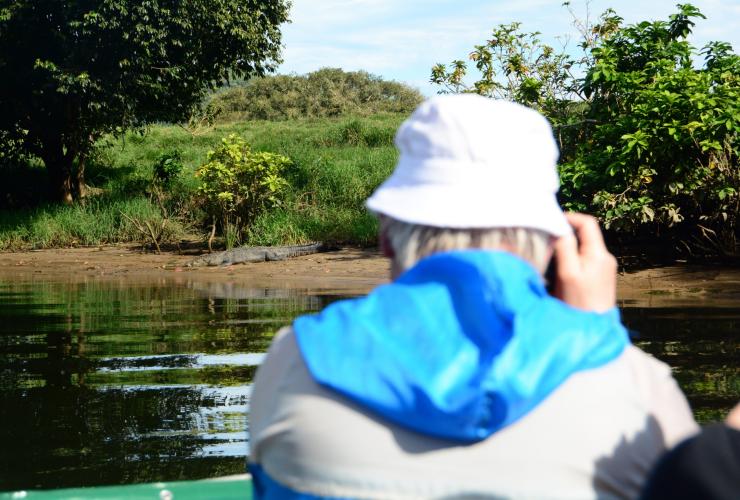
<point>348,270</point>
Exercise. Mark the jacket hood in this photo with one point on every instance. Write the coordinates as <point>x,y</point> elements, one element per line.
<point>458,347</point>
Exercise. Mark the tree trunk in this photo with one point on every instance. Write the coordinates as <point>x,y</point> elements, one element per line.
<point>78,179</point>
<point>60,178</point>
<point>66,183</point>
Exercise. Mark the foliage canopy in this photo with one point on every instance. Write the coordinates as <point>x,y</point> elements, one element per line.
<point>649,137</point>
<point>77,69</point>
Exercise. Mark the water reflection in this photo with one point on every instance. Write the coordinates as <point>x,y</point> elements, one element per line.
<point>702,346</point>
<point>117,382</point>
<point>105,382</point>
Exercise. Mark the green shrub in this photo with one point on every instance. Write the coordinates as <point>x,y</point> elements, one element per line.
<point>237,184</point>
<point>649,140</point>
<point>327,92</point>
<point>662,151</point>
<point>167,168</point>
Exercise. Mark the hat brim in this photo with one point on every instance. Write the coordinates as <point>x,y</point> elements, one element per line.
<point>439,205</point>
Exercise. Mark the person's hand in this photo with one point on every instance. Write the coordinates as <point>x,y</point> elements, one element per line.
<point>733,419</point>
<point>585,271</point>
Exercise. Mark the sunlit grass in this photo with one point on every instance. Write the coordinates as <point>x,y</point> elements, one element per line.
<point>97,222</point>
<point>337,163</point>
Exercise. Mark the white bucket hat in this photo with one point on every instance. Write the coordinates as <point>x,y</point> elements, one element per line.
<point>468,161</point>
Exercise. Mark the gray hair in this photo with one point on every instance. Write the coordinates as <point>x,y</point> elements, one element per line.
<point>411,242</point>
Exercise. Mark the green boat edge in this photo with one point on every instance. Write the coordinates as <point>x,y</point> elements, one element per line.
<point>230,487</point>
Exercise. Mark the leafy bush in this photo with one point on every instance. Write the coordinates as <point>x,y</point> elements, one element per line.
<point>324,93</point>
<point>649,141</point>
<point>11,148</point>
<point>237,184</point>
<point>167,168</point>
<point>660,127</point>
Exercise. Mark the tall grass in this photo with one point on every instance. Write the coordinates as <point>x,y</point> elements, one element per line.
<point>99,221</point>
<point>337,163</point>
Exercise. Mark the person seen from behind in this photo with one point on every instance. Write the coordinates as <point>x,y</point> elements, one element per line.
<point>464,377</point>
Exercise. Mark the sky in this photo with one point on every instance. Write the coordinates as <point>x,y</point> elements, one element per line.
<point>402,39</point>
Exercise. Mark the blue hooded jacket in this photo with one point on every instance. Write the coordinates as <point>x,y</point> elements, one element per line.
<point>458,347</point>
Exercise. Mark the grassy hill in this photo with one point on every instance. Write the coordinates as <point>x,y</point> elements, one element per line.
<point>337,162</point>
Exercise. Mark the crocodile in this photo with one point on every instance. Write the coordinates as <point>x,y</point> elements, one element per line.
<point>256,254</point>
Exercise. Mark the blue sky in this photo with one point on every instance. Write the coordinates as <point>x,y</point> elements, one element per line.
<point>402,39</point>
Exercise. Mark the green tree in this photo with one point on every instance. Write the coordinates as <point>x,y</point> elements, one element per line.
<point>662,147</point>
<point>649,135</point>
<point>77,69</point>
<point>516,66</point>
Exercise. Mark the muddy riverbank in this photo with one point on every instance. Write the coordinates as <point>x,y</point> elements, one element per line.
<point>349,270</point>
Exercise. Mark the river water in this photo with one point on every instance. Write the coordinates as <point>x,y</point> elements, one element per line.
<point>105,382</point>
